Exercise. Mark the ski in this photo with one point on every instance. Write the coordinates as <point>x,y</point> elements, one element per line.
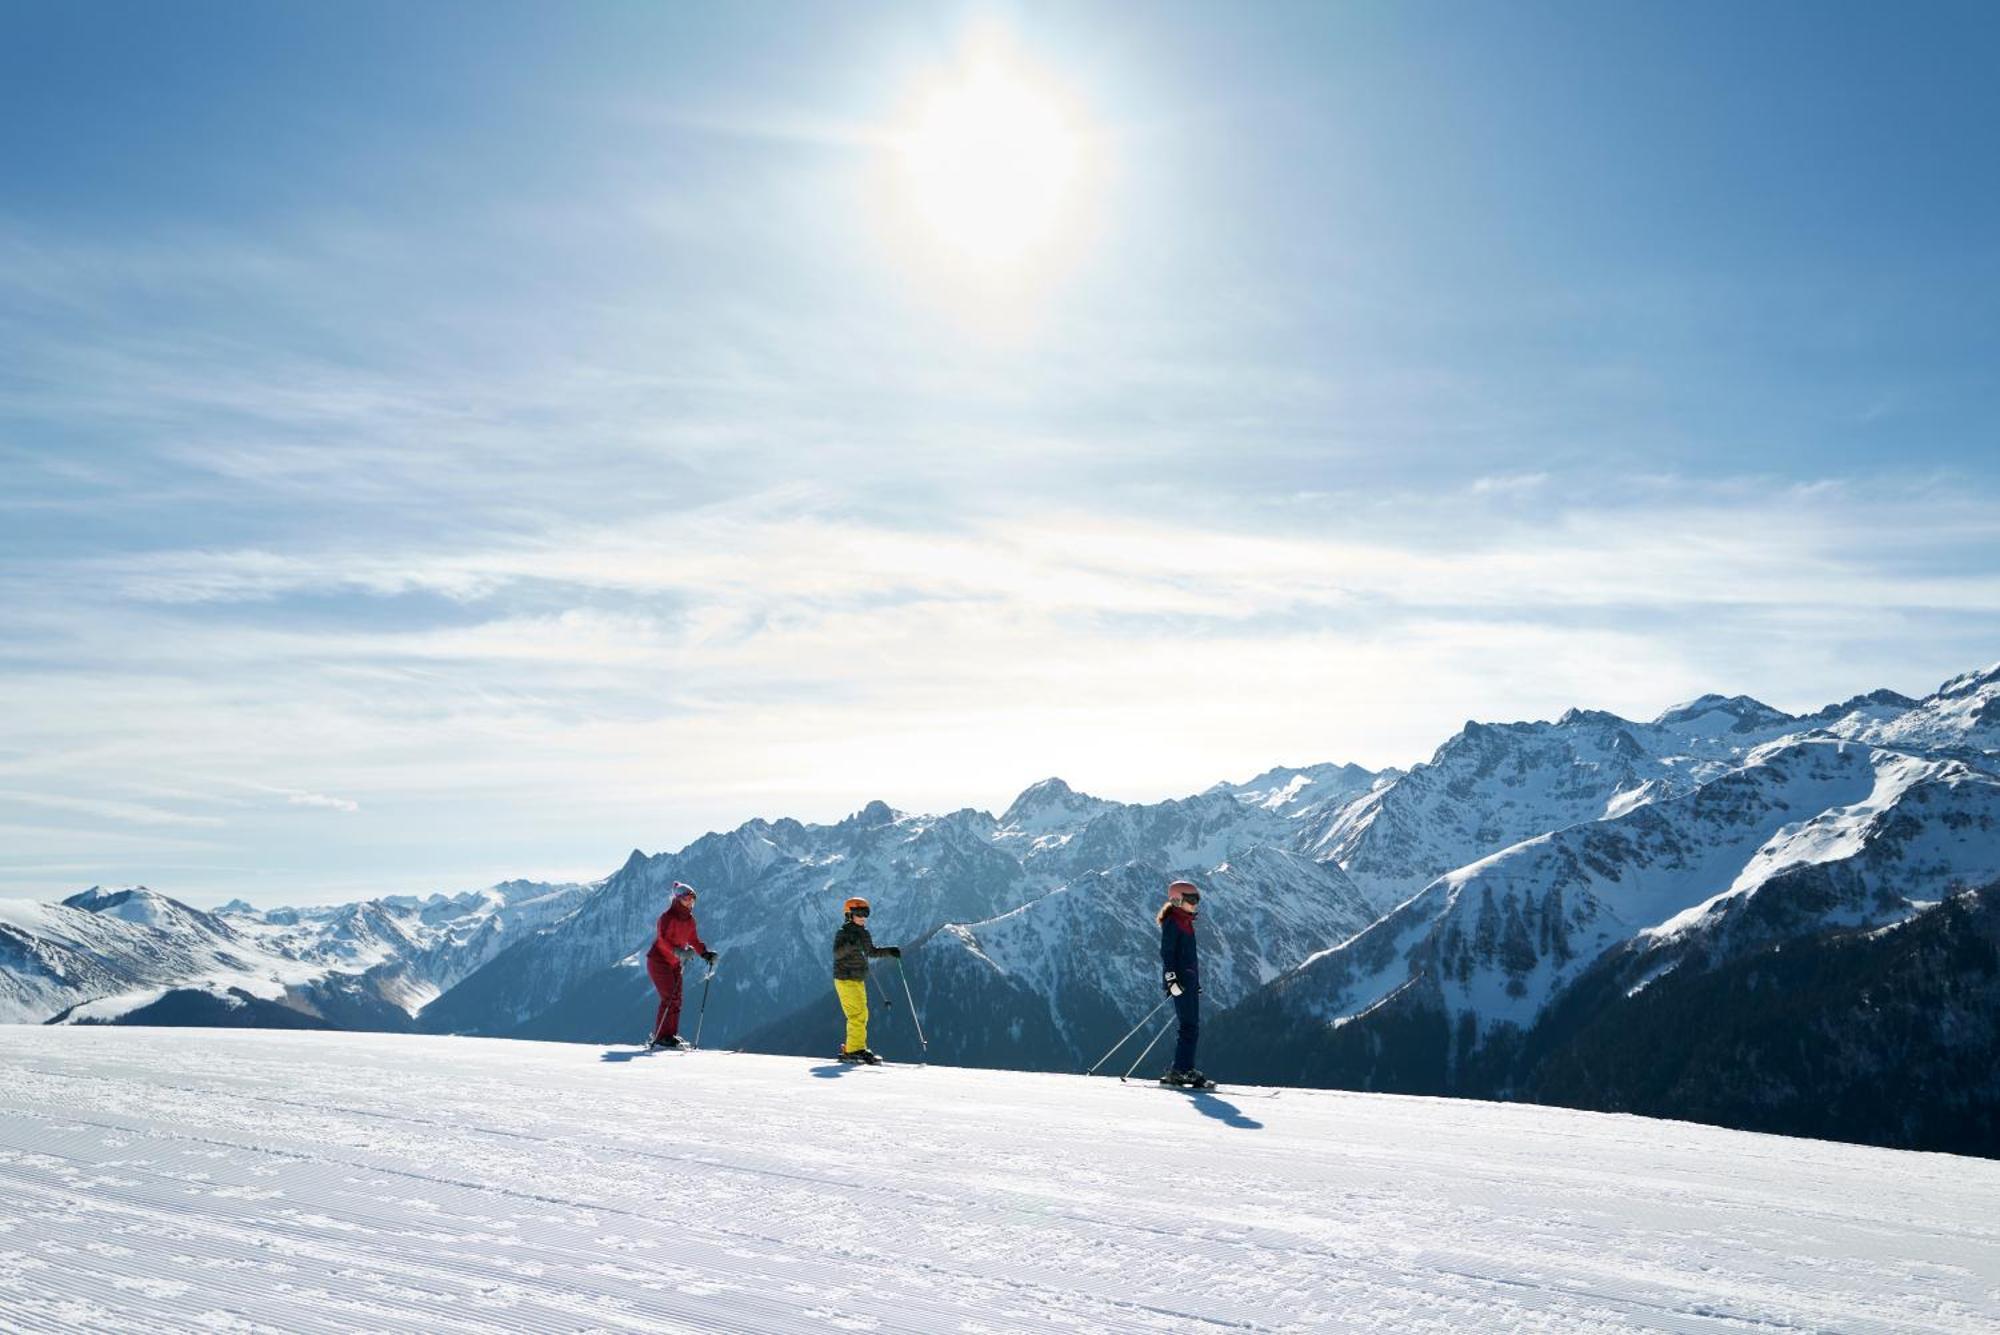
<point>683,1046</point>
<point>850,1059</point>
<point>1210,1088</point>
<point>1206,1089</point>
<point>1207,1086</point>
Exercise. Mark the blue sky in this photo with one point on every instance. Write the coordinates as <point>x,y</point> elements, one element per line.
<point>441,443</point>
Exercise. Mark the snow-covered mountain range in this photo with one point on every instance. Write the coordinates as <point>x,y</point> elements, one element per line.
<point>1728,834</point>
<point>109,954</point>
<point>1431,928</point>
<point>1491,944</point>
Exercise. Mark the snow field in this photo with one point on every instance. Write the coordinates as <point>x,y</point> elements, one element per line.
<point>179,1180</point>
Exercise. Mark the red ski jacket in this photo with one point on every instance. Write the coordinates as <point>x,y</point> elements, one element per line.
<point>676,933</point>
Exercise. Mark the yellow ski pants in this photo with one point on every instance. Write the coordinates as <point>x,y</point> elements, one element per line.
<point>853,993</point>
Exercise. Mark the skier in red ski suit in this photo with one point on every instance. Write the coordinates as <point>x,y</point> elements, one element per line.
<point>676,933</point>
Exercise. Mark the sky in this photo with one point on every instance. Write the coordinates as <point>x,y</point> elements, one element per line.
<point>455,442</point>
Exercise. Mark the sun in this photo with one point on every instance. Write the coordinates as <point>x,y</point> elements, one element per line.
<point>990,163</point>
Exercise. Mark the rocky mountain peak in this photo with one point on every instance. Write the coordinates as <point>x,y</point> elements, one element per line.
<point>1291,790</point>
<point>1048,790</point>
<point>1050,804</point>
<point>1730,713</point>
<point>1967,683</point>
<point>1872,700</point>
<point>876,814</point>
<point>1575,718</point>
<point>147,908</point>
<point>122,903</point>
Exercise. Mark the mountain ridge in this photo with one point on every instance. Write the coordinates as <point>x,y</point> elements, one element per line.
<point>1433,917</point>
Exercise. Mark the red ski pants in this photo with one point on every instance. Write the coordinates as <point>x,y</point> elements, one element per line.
<point>666,976</point>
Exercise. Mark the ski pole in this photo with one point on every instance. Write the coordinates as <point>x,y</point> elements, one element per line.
<point>911,998</point>
<point>702,1014</point>
<point>1148,1048</point>
<point>1127,1039</point>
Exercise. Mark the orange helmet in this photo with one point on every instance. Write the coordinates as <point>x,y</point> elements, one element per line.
<point>856,904</point>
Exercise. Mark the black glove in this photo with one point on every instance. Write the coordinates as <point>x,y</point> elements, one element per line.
<point>1172,983</point>
<point>893,952</point>
<point>708,958</point>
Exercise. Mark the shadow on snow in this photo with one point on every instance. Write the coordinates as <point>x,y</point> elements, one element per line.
<point>1223,1111</point>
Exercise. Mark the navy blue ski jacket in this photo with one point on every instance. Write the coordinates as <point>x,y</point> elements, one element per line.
<point>1177,952</point>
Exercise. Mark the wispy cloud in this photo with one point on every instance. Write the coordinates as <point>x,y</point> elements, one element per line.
<point>1513,482</point>
<point>767,654</point>
<point>603,484</point>
<point>124,813</point>
<point>1776,545</point>
<point>300,798</point>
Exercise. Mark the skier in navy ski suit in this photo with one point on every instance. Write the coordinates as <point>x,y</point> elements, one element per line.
<point>1180,974</point>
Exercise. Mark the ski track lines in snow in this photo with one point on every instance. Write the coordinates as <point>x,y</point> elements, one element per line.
<point>170,1180</point>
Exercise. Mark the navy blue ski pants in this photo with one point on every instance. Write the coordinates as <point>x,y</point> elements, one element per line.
<point>1188,1006</point>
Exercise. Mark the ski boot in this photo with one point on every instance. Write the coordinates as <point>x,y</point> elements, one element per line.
<point>1196,1080</point>
<point>868,1057</point>
<point>854,1058</point>
<point>1177,1079</point>
<point>667,1042</point>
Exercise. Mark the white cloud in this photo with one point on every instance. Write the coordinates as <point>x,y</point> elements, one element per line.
<point>1789,548</point>
<point>127,813</point>
<point>1513,482</point>
<point>773,658</point>
<point>304,799</point>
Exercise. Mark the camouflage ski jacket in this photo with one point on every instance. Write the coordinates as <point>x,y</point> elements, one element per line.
<point>852,949</point>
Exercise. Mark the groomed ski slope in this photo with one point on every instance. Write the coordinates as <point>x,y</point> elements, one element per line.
<point>168,1180</point>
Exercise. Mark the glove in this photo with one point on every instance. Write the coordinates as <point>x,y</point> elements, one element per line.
<point>893,952</point>
<point>708,958</point>
<point>1172,983</point>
